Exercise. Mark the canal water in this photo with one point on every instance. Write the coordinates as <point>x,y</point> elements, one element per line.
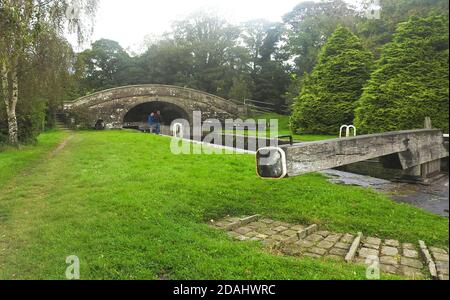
<point>433,197</point>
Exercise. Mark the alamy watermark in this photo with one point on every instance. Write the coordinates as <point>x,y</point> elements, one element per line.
<point>373,268</point>
<point>73,270</point>
<point>234,136</point>
<point>73,9</point>
<point>372,10</point>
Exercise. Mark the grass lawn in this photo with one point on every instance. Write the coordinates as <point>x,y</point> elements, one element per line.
<point>13,160</point>
<point>129,209</point>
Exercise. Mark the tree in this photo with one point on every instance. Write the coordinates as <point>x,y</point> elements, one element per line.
<point>242,88</point>
<point>268,73</point>
<point>210,41</point>
<point>166,62</point>
<point>309,25</point>
<point>378,32</point>
<point>329,95</point>
<point>22,24</point>
<point>104,66</point>
<point>410,81</point>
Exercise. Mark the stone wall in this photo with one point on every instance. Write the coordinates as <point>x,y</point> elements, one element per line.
<point>112,105</point>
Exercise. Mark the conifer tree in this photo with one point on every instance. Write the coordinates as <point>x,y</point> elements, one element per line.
<point>410,82</point>
<point>329,94</point>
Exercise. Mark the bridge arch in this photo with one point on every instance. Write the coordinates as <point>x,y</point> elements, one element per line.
<point>169,112</point>
<point>118,105</point>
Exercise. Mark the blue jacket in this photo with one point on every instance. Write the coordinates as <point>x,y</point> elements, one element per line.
<point>151,120</point>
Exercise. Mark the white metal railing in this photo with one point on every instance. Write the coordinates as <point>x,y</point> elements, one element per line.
<point>348,130</point>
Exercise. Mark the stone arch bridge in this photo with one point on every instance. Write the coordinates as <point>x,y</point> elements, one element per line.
<point>130,106</point>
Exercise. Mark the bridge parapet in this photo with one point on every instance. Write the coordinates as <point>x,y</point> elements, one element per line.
<point>153,90</point>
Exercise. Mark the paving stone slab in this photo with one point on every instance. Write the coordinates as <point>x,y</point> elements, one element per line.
<point>411,262</point>
<point>333,238</point>
<point>232,234</point>
<point>292,251</point>
<point>323,233</point>
<point>392,243</point>
<point>276,224</point>
<point>410,253</point>
<point>443,277</point>
<point>411,272</point>
<point>348,238</point>
<point>409,246</point>
<point>361,261</point>
<point>314,238</point>
<point>325,245</point>
<point>278,237</point>
<point>437,250</point>
<point>251,234</point>
<point>297,227</point>
<point>232,219</point>
<point>242,238</point>
<point>339,252</point>
<point>389,251</point>
<point>389,260</point>
<point>262,236</point>
<point>371,246</point>
<point>311,229</point>
<point>318,251</point>
<point>266,231</point>
<point>343,246</point>
<point>442,267</point>
<point>440,257</point>
<point>366,252</point>
<point>221,224</point>
<point>243,230</point>
<point>305,244</point>
<point>312,255</point>
<point>372,241</point>
<point>267,221</point>
<point>279,228</point>
<point>270,243</point>
<point>389,269</point>
<point>258,225</point>
<point>290,239</point>
<point>289,233</point>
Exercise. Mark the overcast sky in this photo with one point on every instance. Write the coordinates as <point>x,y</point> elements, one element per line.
<point>130,21</point>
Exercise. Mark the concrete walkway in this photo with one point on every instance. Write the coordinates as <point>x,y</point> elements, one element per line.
<point>391,256</point>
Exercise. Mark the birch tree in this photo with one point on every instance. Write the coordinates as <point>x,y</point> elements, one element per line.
<point>22,23</point>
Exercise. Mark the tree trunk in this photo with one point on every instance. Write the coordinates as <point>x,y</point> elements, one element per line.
<point>10,89</point>
<point>12,119</point>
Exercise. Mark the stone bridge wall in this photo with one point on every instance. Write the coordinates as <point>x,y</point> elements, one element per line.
<point>112,105</point>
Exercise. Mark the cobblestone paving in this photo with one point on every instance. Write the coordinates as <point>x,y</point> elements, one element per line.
<point>440,257</point>
<point>392,256</point>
